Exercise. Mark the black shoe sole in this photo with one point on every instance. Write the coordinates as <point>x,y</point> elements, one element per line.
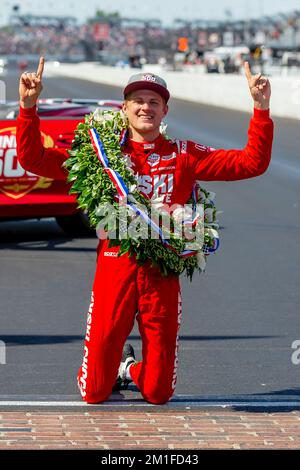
<point>121,385</point>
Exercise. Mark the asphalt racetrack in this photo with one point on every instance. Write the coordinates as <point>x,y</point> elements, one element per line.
<point>240,317</point>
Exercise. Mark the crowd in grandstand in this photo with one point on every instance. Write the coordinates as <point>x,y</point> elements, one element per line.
<point>32,37</point>
<point>121,41</point>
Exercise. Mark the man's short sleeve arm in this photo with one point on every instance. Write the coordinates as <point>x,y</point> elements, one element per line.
<point>209,164</point>
<point>32,155</point>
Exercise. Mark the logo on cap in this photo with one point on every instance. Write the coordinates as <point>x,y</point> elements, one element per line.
<point>149,78</point>
<point>148,81</point>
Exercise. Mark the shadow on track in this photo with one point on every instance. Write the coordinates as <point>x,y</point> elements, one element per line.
<point>21,340</point>
<point>37,235</point>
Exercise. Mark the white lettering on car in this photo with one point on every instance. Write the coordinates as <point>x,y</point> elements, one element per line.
<point>8,141</point>
<point>10,167</point>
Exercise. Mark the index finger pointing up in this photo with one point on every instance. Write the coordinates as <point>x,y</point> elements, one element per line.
<point>247,70</point>
<point>40,69</point>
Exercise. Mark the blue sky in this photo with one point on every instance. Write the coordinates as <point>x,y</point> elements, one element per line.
<point>166,10</point>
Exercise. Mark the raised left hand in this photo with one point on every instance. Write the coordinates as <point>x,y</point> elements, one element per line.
<point>259,87</point>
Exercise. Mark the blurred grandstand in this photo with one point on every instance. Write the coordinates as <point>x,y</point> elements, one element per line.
<point>215,46</point>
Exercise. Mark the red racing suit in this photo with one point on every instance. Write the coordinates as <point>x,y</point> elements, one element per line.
<point>122,290</point>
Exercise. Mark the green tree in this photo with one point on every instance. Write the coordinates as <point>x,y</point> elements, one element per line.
<point>105,17</point>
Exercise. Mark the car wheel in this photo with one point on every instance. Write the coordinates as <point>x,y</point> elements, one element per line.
<point>75,224</point>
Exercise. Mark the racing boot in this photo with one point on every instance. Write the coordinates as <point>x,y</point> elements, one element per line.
<point>128,358</point>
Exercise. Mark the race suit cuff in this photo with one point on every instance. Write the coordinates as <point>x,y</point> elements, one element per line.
<point>27,112</point>
<point>261,114</point>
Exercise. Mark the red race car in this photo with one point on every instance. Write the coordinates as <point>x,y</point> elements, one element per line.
<point>24,195</point>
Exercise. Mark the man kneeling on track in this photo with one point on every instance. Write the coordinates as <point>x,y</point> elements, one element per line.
<point>121,287</point>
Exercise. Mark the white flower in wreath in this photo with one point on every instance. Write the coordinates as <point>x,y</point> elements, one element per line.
<point>201,260</point>
<point>212,232</point>
<point>202,196</point>
<point>101,117</point>
<point>127,159</point>
<point>132,188</point>
<point>157,202</point>
<point>163,128</point>
<point>178,214</point>
<point>75,167</point>
<point>157,199</point>
<point>209,215</point>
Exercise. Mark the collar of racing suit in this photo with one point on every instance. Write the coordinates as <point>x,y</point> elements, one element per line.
<point>144,148</point>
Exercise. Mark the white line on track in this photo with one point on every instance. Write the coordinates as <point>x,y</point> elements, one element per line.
<point>125,404</point>
<point>182,401</point>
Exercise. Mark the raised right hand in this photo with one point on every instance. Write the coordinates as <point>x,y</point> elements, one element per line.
<point>259,87</point>
<point>30,86</point>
